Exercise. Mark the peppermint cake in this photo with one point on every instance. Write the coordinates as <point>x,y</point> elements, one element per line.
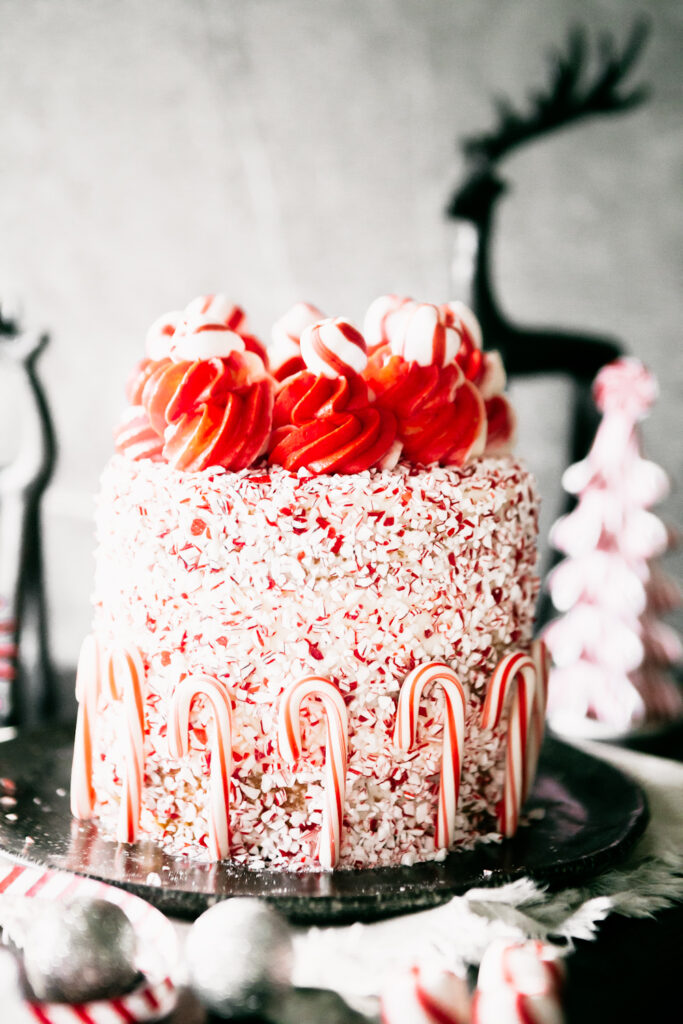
<point>314,595</point>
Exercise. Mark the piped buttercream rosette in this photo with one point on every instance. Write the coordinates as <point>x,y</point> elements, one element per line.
<point>440,415</point>
<point>203,396</point>
<point>428,366</point>
<point>325,418</point>
<point>285,351</point>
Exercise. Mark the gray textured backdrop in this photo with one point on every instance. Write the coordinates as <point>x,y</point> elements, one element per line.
<point>275,150</point>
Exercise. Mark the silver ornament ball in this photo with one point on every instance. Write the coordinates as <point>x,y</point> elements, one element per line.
<point>239,957</point>
<point>80,951</point>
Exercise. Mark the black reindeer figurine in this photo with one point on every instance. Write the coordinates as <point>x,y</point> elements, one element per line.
<point>26,684</point>
<point>575,91</point>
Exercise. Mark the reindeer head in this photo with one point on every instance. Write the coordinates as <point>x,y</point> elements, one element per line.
<point>571,95</point>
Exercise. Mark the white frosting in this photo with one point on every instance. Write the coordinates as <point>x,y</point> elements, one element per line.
<point>416,341</point>
<point>291,324</point>
<point>194,343</point>
<point>159,340</point>
<point>261,577</point>
<point>493,379</point>
<point>218,309</point>
<point>328,335</point>
<point>286,332</point>
<point>383,318</point>
<point>463,314</point>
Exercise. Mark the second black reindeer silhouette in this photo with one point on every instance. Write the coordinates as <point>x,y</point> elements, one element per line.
<point>572,94</point>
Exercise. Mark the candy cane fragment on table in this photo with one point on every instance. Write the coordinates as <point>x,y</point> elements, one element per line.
<point>218,699</point>
<point>334,772</point>
<point>514,677</point>
<point>453,744</point>
<point>122,670</point>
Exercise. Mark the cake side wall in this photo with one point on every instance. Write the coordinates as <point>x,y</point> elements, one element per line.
<point>260,578</point>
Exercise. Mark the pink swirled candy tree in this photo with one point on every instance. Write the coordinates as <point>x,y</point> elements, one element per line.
<point>613,655</point>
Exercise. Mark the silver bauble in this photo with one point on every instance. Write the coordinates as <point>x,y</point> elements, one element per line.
<point>80,951</point>
<point>239,957</point>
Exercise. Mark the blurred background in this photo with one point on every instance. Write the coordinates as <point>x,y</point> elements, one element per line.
<point>279,150</point>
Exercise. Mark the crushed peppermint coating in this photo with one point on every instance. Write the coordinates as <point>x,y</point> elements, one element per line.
<point>259,577</point>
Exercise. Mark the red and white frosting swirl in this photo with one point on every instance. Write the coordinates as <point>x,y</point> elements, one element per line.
<point>210,327</point>
<point>430,361</point>
<point>285,352</point>
<point>425,338</point>
<point>384,318</point>
<point>333,347</point>
<point>331,425</point>
<point>203,397</point>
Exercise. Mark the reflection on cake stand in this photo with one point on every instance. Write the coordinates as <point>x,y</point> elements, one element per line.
<point>584,816</point>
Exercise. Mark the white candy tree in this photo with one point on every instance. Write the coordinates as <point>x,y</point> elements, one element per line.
<point>613,655</point>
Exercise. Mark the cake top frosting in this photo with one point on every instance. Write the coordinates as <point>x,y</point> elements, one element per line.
<point>414,386</point>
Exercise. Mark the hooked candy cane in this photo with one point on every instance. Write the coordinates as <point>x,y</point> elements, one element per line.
<point>88,685</point>
<point>540,655</point>
<point>122,669</point>
<point>453,736</point>
<point>221,751</point>
<point>516,675</point>
<point>337,727</point>
<point>125,676</point>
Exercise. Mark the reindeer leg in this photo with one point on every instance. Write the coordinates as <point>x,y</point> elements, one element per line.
<point>39,680</point>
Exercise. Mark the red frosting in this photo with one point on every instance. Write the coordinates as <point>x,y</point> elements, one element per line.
<point>500,425</point>
<point>330,425</point>
<point>289,367</point>
<point>440,414</point>
<point>211,412</point>
<point>469,357</point>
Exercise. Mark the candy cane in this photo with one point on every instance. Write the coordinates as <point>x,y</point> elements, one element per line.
<point>289,742</point>
<point>541,659</point>
<point>124,673</point>
<point>426,994</point>
<point>221,751</point>
<point>519,983</point>
<point>515,674</point>
<point>126,677</point>
<point>453,736</point>
<point>88,686</point>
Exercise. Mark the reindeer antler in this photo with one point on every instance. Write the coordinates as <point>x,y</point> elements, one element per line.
<point>569,96</point>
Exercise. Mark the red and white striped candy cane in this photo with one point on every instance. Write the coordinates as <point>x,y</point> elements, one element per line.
<point>125,674</point>
<point>426,994</point>
<point>453,736</point>
<point>88,686</point>
<point>519,983</point>
<point>334,778</point>
<point>515,675</point>
<point>218,700</point>
<point>123,671</point>
<point>540,656</point>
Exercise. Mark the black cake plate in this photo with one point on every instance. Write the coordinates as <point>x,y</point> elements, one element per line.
<point>585,816</point>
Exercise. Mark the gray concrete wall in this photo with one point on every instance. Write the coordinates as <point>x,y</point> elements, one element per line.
<point>280,149</point>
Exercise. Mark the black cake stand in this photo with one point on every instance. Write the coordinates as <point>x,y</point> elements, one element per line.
<point>584,817</point>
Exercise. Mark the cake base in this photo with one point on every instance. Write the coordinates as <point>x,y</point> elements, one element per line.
<point>585,816</point>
